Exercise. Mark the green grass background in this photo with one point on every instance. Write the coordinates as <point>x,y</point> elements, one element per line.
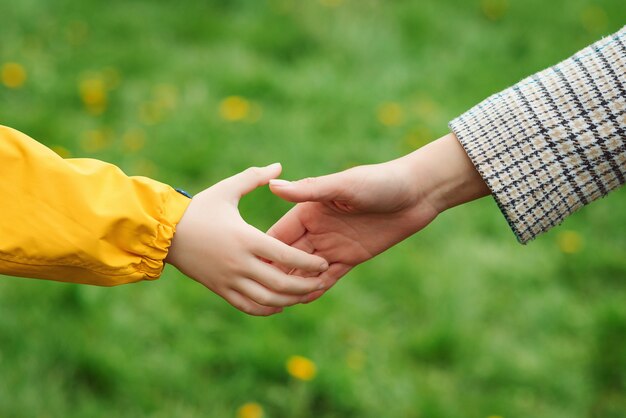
<point>458,321</point>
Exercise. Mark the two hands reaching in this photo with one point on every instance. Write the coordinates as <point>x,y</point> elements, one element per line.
<point>340,221</point>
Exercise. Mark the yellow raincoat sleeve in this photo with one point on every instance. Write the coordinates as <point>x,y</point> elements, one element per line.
<point>80,220</point>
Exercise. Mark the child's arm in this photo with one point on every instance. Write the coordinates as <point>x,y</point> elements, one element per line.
<point>85,221</point>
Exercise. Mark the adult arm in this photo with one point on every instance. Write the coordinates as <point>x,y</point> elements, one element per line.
<point>544,148</point>
<point>554,142</point>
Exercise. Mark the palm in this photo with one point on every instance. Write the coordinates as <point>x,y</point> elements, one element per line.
<point>347,234</point>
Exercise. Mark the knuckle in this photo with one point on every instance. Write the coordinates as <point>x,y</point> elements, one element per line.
<point>282,286</point>
<point>310,184</point>
<point>243,307</point>
<point>282,257</point>
<point>266,300</point>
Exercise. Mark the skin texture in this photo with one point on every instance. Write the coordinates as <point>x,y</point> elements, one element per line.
<point>217,248</point>
<point>350,217</point>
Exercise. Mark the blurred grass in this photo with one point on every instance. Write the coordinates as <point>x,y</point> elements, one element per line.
<point>460,321</point>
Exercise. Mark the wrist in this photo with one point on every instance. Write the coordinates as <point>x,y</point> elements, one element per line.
<point>445,175</point>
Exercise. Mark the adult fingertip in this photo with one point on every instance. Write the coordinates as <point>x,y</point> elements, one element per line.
<point>280,183</point>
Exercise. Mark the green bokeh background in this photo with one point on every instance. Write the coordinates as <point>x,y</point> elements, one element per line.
<point>459,321</point>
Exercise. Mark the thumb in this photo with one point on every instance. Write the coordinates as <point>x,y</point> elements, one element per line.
<point>251,178</point>
<point>312,189</point>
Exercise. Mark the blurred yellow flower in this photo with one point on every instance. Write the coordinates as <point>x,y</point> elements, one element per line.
<point>133,140</point>
<point>143,167</point>
<point>418,137</point>
<point>61,151</point>
<point>356,360</point>
<point>234,108</point>
<point>112,77</point>
<point>166,96</point>
<point>390,114</point>
<point>94,140</point>
<point>426,108</point>
<point>76,32</point>
<point>331,3</point>
<point>594,19</point>
<point>250,410</point>
<point>569,242</point>
<point>301,368</point>
<point>93,93</point>
<point>494,9</point>
<point>151,113</point>
<point>13,75</point>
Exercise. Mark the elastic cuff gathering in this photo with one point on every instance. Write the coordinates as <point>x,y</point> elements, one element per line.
<point>174,206</point>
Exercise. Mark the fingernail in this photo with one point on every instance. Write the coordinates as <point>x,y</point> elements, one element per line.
<point>322,286</point>
<point>324,266</point>
<point>275,165</point>
<point>279,183</point>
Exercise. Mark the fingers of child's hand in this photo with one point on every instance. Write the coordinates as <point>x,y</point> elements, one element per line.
<point>264,296</point>
<point>335,272</point>
<point>251,178</point>
<point>281,282</point>
<point>303,244</point>
<point>281,253</point>
<point>244,304</point>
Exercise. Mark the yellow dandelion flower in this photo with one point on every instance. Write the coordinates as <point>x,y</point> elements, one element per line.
<point>13,75</point>
<point>426,108</point>
<point>134,140</point>
<point>166,96</point>
<point>93,93</point>
<point>61,151</point>
<point>569,242</point>
<point>112,78</point>
<point>331,3</point>
<point>494,9</point>
<point>143,167</point>
<point>301,368</point>
<point>94,141</point>
<point>234,108</point>
<point>250,410</point>
<point>418,137</point>
<point>355,360</point>
<point>390,114</point>
<point>151,113</point>
<point>282,6</point>
<point>76,32</point>
<point>594,19</point>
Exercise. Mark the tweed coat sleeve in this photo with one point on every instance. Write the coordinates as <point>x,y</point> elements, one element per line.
<point>555,141</point>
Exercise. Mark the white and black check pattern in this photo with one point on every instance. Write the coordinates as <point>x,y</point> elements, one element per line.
<point>555,141</point>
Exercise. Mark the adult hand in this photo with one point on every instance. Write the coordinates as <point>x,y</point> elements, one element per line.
<point>349,217</point>
<point>217,248</point>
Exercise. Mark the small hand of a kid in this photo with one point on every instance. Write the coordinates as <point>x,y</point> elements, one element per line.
<point>216,247</point>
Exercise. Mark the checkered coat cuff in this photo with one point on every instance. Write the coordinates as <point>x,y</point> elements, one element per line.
<point>555,141</point>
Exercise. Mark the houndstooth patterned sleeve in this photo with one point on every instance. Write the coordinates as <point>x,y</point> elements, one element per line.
<point>555,141</point>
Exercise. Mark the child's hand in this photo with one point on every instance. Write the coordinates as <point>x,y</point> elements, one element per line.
<point>216,247</point>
